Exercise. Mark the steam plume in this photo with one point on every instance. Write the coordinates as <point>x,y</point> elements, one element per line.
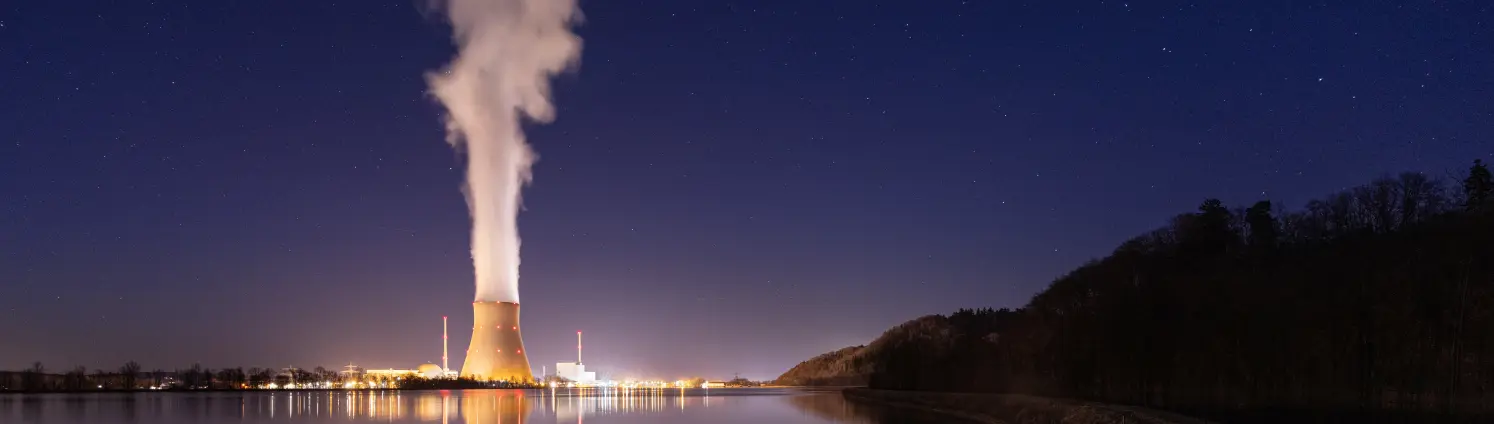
<point>508,50</point>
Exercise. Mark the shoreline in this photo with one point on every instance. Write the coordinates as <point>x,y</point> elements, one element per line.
<point>391,389</point>
<point>107,392</point>
<point>993,408</point>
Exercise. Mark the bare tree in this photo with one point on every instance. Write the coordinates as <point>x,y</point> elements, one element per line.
<point>1478,188</point>
<point>100,379</point>
<point>33,378</point>
<point>206,375</point>
<point>1421,197</point>
<point>75,379</point>
<point>232,378</point>
<point>128,373</point>
<point>259,376</point>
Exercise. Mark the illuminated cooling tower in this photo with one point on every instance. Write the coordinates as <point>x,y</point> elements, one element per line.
<point>497,350</point>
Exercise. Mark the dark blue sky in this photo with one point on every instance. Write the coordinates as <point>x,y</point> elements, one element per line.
<point>730,186</point>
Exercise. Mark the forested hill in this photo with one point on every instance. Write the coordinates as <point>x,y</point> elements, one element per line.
<point>836,368</point>
<point>852,366</point>
<point>1377,298</point>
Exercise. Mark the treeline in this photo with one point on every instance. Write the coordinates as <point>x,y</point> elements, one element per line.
<point>1378,299</point>
<point>130,376</point>
<point>843,367</point>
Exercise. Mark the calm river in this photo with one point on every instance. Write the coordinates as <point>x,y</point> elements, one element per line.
<point>597,406</point>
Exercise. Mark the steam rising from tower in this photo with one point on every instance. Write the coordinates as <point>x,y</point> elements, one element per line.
<point>509,49</point>
<point>507,52</point>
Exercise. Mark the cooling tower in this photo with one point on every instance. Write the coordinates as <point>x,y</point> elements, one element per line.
<point>497,350</point>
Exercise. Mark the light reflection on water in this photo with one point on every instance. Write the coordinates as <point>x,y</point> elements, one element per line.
<point>580,406</point>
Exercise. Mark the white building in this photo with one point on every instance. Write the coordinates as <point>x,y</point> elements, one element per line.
<point>389,373</point>
<point>575,371</point>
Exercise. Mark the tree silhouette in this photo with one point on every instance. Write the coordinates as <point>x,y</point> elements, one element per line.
<point>300,377</point>
<point>322,374</point>
<point>1374,299</point>
<point>1262,226</point>
<point>1206,233</point>
<point>205,378</point>
<point>128,373</point>
<point>259,376</point>
<point>1477,187</point>
<point>75,379</point>
<point>232,378</point>
<point>100,378</point>
<point>1420,197</point>
<point>34,378</point>
<point>193,377</point>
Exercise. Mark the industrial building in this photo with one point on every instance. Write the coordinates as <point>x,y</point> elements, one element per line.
<point>389,373</point>
<point>575,371</point>
<point>354,372</point>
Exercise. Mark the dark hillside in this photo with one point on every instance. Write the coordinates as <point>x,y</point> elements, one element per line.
<point>852,365</point>
<point>1378,298</point>
<point>830,369</point>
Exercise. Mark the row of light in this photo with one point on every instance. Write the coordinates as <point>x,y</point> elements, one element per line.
<point>681,384</point>
<point>328,385</point>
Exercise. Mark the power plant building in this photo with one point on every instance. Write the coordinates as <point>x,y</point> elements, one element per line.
<point>575,371</point>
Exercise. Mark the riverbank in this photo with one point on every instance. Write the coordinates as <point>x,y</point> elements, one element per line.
<point>299,389</point>
<point>1017,409</point>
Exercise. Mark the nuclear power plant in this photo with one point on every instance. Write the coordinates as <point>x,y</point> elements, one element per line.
<point>575,371</point>
<point>497,349</point>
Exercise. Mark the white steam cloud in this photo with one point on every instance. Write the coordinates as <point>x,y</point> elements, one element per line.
<point>508,50</point>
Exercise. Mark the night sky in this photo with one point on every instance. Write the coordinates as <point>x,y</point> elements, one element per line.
<point>729,186</point>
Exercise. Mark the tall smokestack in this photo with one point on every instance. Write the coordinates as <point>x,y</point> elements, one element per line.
<point>444,367</point>
<point>507,52</point>
<point>578,347</point>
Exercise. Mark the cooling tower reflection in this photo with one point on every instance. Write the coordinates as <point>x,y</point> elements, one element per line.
<point>475,406</point>
<point>494,406</point>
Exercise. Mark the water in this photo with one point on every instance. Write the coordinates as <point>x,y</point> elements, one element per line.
<point>596,406</point>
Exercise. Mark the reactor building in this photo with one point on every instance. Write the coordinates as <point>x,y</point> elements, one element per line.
<point>497,350</point>
<point>575,371</point>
